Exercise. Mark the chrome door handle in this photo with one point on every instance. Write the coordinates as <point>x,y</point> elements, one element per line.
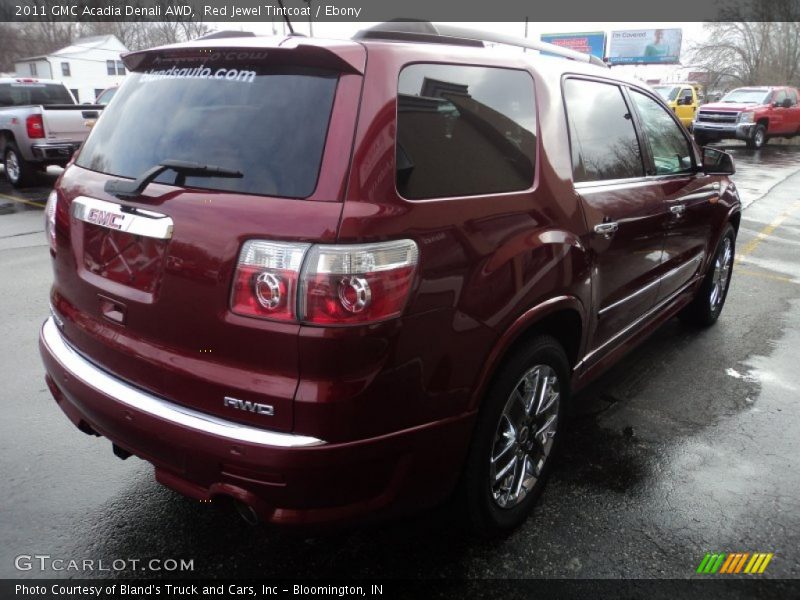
<point>677,209</point>
<point>606,229</point>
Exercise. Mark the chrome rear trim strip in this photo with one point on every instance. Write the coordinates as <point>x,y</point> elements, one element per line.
<point>112,216</point>
<point>126,394</point>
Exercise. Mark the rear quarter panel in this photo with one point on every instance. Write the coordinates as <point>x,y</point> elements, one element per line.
<point>484,260</point>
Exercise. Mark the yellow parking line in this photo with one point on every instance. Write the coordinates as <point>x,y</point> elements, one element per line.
<point>766,231</point>
<point>22,201</point>
<point>763,275</point>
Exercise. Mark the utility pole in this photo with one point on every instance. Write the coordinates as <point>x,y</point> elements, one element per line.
<point>526,33</point>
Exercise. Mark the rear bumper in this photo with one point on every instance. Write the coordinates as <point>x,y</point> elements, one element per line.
<point>56,152</point>
<point>739,131</point>
<point>288,479</point>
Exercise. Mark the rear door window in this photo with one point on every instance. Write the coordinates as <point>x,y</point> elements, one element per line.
<point>464,131</point>
<point>268,122</point>
<point>602,137</point>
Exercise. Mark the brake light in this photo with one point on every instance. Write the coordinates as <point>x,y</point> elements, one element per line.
<point>337,284</point>
<point>35,126</point>
<point>50,219</point>
<point>357,284</point>
<point>266,280</point>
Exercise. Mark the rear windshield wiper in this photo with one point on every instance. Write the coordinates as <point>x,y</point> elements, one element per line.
<point>122,188</point>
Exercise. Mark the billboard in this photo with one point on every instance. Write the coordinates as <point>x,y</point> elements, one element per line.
<point>593,43</point>
<point>644,46</point>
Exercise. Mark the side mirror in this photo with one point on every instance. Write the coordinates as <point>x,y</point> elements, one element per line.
<point>717,162</point>
<point>787,103</point>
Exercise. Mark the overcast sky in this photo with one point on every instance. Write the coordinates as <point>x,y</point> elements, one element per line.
<point>692,33</point>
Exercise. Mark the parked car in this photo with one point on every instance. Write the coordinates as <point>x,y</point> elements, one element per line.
<point>333,280</point>
<point>40,125</point>
<point>683,98</point>
<point>106,95</point>
<point>752,114</point>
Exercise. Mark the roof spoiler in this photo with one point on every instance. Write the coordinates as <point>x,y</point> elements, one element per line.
<point>423,31</point>
<point>241,51</point>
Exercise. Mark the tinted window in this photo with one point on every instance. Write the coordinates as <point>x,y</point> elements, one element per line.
<point>602,138</point>
<point>24,94</point>
<point>779,96</point>
<point>667,92</point>
<point>463,131</point>
<point>270,124</point>
<point>670,149</point>
<point>792,96</point>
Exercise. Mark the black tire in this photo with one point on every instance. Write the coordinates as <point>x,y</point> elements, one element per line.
<point>758,139</point>
<point>705,308</point>
<point>701,139</point>
<point>544,356</point>
<point>19,171</point>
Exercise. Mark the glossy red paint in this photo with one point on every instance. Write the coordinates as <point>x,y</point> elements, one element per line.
<point>393,401</point>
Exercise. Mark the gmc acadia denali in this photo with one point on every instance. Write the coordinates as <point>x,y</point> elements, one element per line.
<point>331,280</point>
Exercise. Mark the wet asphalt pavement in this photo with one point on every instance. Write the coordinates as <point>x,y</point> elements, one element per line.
<point>690,445</point>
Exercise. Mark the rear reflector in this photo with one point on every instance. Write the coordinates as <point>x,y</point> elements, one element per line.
<point>324,284</point>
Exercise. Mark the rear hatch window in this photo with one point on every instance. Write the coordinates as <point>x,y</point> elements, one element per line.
<point>267,122</point>
<point>33,93</point>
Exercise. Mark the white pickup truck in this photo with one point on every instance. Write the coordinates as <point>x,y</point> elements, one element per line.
<point>40,125</point>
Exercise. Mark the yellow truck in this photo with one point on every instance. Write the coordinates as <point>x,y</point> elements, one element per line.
<point>682,98</point>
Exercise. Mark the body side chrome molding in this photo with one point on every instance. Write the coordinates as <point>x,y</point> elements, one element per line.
<point>126,394</point>
<point>692,262</point>
<point>588,358</point>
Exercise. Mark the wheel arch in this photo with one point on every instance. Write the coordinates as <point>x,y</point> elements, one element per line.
<point>6,136</point>
<point>562,317</point>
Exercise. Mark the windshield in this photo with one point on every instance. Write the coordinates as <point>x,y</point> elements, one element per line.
<point>106,96</point>
<point>746,96</point>
<point>667,92</point>
<point>26,94</point>
<point>269,123</point>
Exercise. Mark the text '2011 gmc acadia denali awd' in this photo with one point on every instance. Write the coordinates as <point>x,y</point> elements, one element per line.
<point>338,279</point>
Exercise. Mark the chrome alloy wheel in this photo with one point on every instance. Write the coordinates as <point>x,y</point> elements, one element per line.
<point>722,271</point>
<point>524,436</point>
<point>12,166</point>
<point>758,138</point>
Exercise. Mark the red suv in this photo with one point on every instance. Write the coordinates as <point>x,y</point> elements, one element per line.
<point>338,279</point>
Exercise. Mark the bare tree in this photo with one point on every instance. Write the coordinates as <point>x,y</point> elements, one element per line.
<point>758,45</point>
<point>20,40</point>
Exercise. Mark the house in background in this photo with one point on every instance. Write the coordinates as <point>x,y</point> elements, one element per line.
<point>87,66</point>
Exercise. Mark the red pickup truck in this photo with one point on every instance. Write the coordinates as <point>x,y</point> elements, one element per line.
<point>752,114</point>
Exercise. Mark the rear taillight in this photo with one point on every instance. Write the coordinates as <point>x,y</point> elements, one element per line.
<point>337,284</point>
<point>356,284</point>
<point>35,126</point>
<point>266,280</point>
<point>50,219</point>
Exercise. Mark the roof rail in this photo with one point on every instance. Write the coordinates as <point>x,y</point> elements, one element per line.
<point>423,31</point>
